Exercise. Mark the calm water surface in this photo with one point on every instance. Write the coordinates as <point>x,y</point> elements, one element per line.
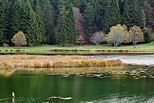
<point>131,59</point>
<point>76,88</point>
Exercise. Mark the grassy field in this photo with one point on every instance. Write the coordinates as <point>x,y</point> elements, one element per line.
<point>40,49</point>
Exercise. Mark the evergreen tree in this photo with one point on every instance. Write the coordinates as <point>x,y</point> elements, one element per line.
<point>48,20</point>
<point>39,19</point>
<point>134,13</point>
<point>24,19</point>
<point>89,20</point>
<point>112,15</point>
<point>61,35</point>
<point>71,27</point>
<point>17,11</point>
<point>3,19</point>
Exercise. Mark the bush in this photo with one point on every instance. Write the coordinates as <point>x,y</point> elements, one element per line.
<point>19,39</point>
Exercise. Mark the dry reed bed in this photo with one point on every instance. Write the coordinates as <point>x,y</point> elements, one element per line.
<point>12,50</point>
<point>8,62</point>
<point>96,50</point>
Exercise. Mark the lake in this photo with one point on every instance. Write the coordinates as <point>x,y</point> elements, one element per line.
<point>133,85</point>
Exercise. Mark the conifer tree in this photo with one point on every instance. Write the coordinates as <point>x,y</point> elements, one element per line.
<point>89,20</point>
<point>61,35</point>
<point>71,27</point>
<point>39,19</point>
<point>133,13</point>
<point>3,19</point>
<point>112,15</point>
<point>48,20</point>
<point>24,19</point>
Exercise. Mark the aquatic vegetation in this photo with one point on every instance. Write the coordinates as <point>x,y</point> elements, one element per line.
<point>27,61</point>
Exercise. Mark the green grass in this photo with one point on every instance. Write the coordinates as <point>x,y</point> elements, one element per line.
<point>39,49</point>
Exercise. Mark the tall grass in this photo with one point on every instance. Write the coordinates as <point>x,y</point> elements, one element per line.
<point>33,61</point>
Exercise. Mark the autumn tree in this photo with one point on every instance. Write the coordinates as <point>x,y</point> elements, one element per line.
<point>149,14</point>
<point>116,35</point>
<point>19,39</point>
<point>97,38</point>
<point>136,35</point>
<point>79,21</point>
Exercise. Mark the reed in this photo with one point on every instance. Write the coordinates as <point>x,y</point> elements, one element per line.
<point>33,61</point>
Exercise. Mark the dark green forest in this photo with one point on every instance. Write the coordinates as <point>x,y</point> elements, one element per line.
<point>63,21</point>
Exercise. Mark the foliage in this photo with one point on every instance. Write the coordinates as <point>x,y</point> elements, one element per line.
<point>79,21</point>
<point>133,13</point>
<point>80,40</point>
<point>48,21</point>
<point>19,39</point>
<point>89,20</point>
<point>136,35</point>
<point>149,14</point>
<point>116,35</point>
<point>3,19</point>
<point>112,15</point>
<point>71,27</point>
<point>97,38</point>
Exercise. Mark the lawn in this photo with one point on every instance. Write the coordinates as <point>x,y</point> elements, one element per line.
<point>39,49</point>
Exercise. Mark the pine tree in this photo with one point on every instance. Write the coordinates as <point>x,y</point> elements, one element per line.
<point>71,27</point>
<point>134,13</point>
<point>3,19</point>
<point>112,15</point>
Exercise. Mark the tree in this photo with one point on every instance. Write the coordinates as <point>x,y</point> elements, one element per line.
<point>3,19</point>
<point>19,39</point>
<point>39,18</point>
<point>149,14</point>
<point>97,38</point>
<point>78,21</point>
<point>136,35</point>
<point>24,19</point>
<point>71,27</point>
<point>48,20</point>
<point>111,15</point>
<point>116,35</point>
<point>133,13</point>
<point>89,20</point>
<point>61,35</point>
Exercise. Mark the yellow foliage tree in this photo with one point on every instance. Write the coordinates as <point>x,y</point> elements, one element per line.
<point>19,39</point>
<point>136,35</point>
<point>117,35</point>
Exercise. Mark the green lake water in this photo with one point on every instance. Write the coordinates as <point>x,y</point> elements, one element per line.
<point>76,88</point>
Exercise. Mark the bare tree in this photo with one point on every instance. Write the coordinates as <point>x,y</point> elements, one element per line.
<point>136,35</point>
<point>149,14</point>
<point>97,38</point>
<point>116,35</point>
<point>78,20</point>
<point>19,39</point>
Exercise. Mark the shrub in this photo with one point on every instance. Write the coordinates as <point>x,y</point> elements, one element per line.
<point>97,38</point>
<point>19,39</point>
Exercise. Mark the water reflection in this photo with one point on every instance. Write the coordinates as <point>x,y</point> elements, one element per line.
<point>118,86</point>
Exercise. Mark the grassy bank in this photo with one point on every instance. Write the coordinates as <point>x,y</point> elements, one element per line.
<point>88,49</point>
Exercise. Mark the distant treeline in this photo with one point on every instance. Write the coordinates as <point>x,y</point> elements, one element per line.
<point>63,21</point>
